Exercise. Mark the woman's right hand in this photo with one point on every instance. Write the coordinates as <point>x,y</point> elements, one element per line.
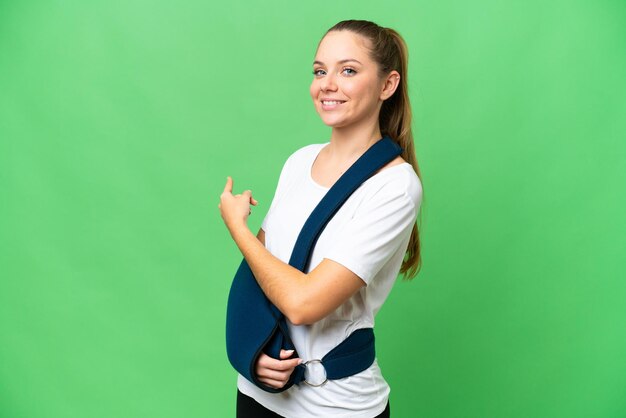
<point>275,373</point>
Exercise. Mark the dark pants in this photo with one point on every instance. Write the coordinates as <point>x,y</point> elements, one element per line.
<point>249,408</point>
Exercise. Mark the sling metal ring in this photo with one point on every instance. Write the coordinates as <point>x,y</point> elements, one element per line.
<point>305,364</point>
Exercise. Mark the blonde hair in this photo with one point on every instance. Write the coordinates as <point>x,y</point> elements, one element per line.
<point>389,50</point>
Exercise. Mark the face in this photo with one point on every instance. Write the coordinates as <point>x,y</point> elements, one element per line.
<point>346,87</point>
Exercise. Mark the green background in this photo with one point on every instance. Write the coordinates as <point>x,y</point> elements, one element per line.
<point>120,120</point>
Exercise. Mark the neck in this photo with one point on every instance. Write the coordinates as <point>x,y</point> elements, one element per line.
<point>350,143</point>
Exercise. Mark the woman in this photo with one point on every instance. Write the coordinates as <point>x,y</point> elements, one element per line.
<point>359,89</point>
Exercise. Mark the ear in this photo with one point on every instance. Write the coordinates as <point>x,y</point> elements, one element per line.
<point>390,84</point>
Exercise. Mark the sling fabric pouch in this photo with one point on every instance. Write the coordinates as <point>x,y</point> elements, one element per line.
<point>254,325</point>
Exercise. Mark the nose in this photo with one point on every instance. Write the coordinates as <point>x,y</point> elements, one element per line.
<point>328,82</point>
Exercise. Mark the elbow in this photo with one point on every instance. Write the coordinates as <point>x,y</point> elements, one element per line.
<point>301,303</point>
<point>302,312</point>
<point>299,318</point>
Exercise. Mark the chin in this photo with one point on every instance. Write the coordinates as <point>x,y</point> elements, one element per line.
<point>333,122</point>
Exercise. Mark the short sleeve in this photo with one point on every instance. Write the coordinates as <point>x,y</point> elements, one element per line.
<point>280,187</point>
<point>375,233</point>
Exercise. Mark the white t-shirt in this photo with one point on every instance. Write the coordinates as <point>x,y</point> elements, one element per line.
<point>369,235</point>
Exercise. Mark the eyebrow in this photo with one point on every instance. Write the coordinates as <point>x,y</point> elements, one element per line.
<point>340,62</point>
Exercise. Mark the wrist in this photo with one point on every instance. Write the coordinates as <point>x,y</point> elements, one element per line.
<point>238,228</point>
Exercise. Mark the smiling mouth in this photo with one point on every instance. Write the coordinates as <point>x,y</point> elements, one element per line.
<point>332,102</point>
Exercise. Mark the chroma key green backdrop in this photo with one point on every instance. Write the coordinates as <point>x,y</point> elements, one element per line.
<point>120,120</point>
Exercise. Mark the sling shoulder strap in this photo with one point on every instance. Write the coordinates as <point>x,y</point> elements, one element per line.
<point>376,156</point>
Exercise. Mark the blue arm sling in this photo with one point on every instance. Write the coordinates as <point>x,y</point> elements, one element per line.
<point>254,325</point>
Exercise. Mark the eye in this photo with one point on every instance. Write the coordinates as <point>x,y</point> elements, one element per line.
<point>318,72</point>
<point>349,71</point>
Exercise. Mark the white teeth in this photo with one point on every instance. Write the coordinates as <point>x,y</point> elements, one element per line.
<point>331,102</point>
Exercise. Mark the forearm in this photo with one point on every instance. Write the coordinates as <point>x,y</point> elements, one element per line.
<point>283,284</point>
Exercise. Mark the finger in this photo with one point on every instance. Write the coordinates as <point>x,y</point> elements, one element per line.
<point>229,185</point>
<point>285,354</point>
<point>254,201</point>
<point>278,365</point>
<point>264,361</point>
<point>272,374</point>
<point>276,384</point>
<point>287,364</point>
<point>248,193</point>
<point>267,362</point>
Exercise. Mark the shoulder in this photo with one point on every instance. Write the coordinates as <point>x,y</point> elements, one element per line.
<point>303,154</point>
<point>306,151</point>
<point>395,181</point>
